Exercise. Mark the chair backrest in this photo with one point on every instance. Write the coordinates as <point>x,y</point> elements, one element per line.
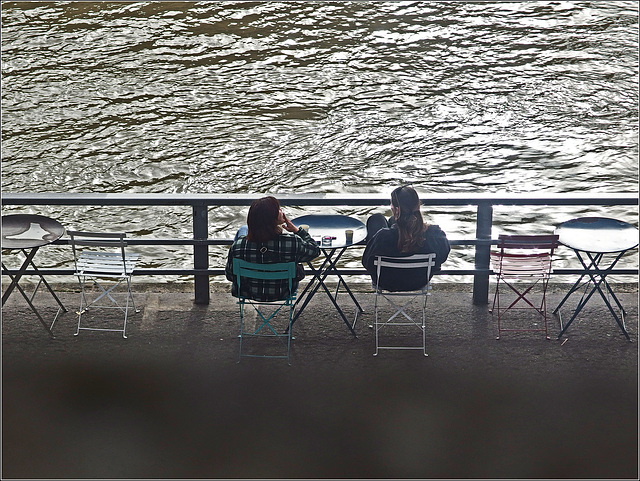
<point>547,242</point>
<point>115,242</point>
<point>254,270</point>
<point>524,255</point>
<point>416,261</point>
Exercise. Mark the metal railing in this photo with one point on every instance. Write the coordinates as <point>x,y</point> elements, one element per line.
<point>200,203</point>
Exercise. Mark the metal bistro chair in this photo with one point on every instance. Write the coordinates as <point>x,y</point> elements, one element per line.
<point>522,262</point>
<point>265,328</point>
<point>101,256</point>
<point>384,264</point>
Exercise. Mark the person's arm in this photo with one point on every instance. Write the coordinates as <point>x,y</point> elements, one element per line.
<point>438,243</point>
<point>228,271</point>
<point>306,248</point>
<point>376,246</point>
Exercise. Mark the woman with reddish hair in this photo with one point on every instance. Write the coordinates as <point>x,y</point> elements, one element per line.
<point>265,241</point>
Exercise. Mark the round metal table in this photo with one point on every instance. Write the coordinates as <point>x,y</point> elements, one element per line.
<point>27,233</point>
<point>591,238</point>
<point>329,231</point>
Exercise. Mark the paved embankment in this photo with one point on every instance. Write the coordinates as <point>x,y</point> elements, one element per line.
<point>171,401</point>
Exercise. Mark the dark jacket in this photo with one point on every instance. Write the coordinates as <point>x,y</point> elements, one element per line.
<point>385,242</point>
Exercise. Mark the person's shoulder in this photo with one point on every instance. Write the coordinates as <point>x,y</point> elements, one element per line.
<point>388,231</point>
<point>384,238</point>
<point>287,237</point>
<point>433,229</point>
<point>238,246</point>
<point>239,242</point>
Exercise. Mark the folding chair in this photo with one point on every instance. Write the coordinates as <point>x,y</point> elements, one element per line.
<point>108,263</point>
<point>265,327</point>
<point>523,262</point>
<point>384,265</point>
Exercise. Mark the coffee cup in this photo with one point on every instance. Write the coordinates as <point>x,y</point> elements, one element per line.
<point>304,226</point>
<point>349,236</point>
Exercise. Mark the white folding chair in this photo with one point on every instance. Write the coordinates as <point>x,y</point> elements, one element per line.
<point>100,256</point>
<point>248,272</point>
<point>384,265</point>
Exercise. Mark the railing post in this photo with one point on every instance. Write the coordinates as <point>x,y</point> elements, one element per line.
<point>201,253</point>
<point>484,221</point>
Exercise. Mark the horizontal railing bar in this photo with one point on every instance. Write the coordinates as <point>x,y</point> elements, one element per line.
<point>54,198</point>
<point>343,271</point>
<point>143,242</point>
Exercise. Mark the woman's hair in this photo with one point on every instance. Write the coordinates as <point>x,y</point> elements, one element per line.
<point>262,219</point>
<point>411,227</point>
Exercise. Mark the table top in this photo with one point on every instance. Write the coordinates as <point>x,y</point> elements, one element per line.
<point>597,234</point>
<point>333,226</point>
<point>25,231</point>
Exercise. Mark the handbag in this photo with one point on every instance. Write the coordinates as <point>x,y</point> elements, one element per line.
<point>299,272</point>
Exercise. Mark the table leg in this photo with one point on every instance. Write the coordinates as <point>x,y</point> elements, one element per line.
<point>15,283</point>
<point>597,276</point>
<point>603,280</point>
<point>51,291</point>
<point>335,303</point>
<point>309,287</point>
<point>583,301</point>
<point>19,274</point>
<point>578,285</point>
<point>334,269</point>
<point>328,266</point>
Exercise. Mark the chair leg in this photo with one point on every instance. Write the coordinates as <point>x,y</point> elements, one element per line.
<point>401,309</point>
<point>241,329</point>
<point>106,293</point>
<point>83,302</point>
<point>265,324</point>
<point>496,301</point>
<point>544,308</point>
<point>424,327</point>
<point>521,296</point>
<point>289,334</point>
<point>494,297</point>
<point>126,309</point>
<point>376,327</point>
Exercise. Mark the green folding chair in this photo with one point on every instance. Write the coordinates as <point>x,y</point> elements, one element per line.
<point>265,326</point>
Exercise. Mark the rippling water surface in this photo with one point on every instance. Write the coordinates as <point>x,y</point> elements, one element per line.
<point>346,97</point>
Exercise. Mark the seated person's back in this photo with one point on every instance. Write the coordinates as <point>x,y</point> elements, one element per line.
<point>266,243</point>
<point>405,235</point>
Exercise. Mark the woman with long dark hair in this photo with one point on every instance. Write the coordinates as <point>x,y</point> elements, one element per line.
<point>404,234</point>
<point>264,241</point>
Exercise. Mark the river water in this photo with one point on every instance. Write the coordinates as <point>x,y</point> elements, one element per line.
<point>317,97</point>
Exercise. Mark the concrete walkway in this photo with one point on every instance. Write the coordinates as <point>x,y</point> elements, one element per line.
<point>171,400</point>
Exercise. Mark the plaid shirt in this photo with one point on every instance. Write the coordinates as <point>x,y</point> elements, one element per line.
<point>298,247</point>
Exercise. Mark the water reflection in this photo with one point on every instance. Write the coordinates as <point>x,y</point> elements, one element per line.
<point>318,97</point>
